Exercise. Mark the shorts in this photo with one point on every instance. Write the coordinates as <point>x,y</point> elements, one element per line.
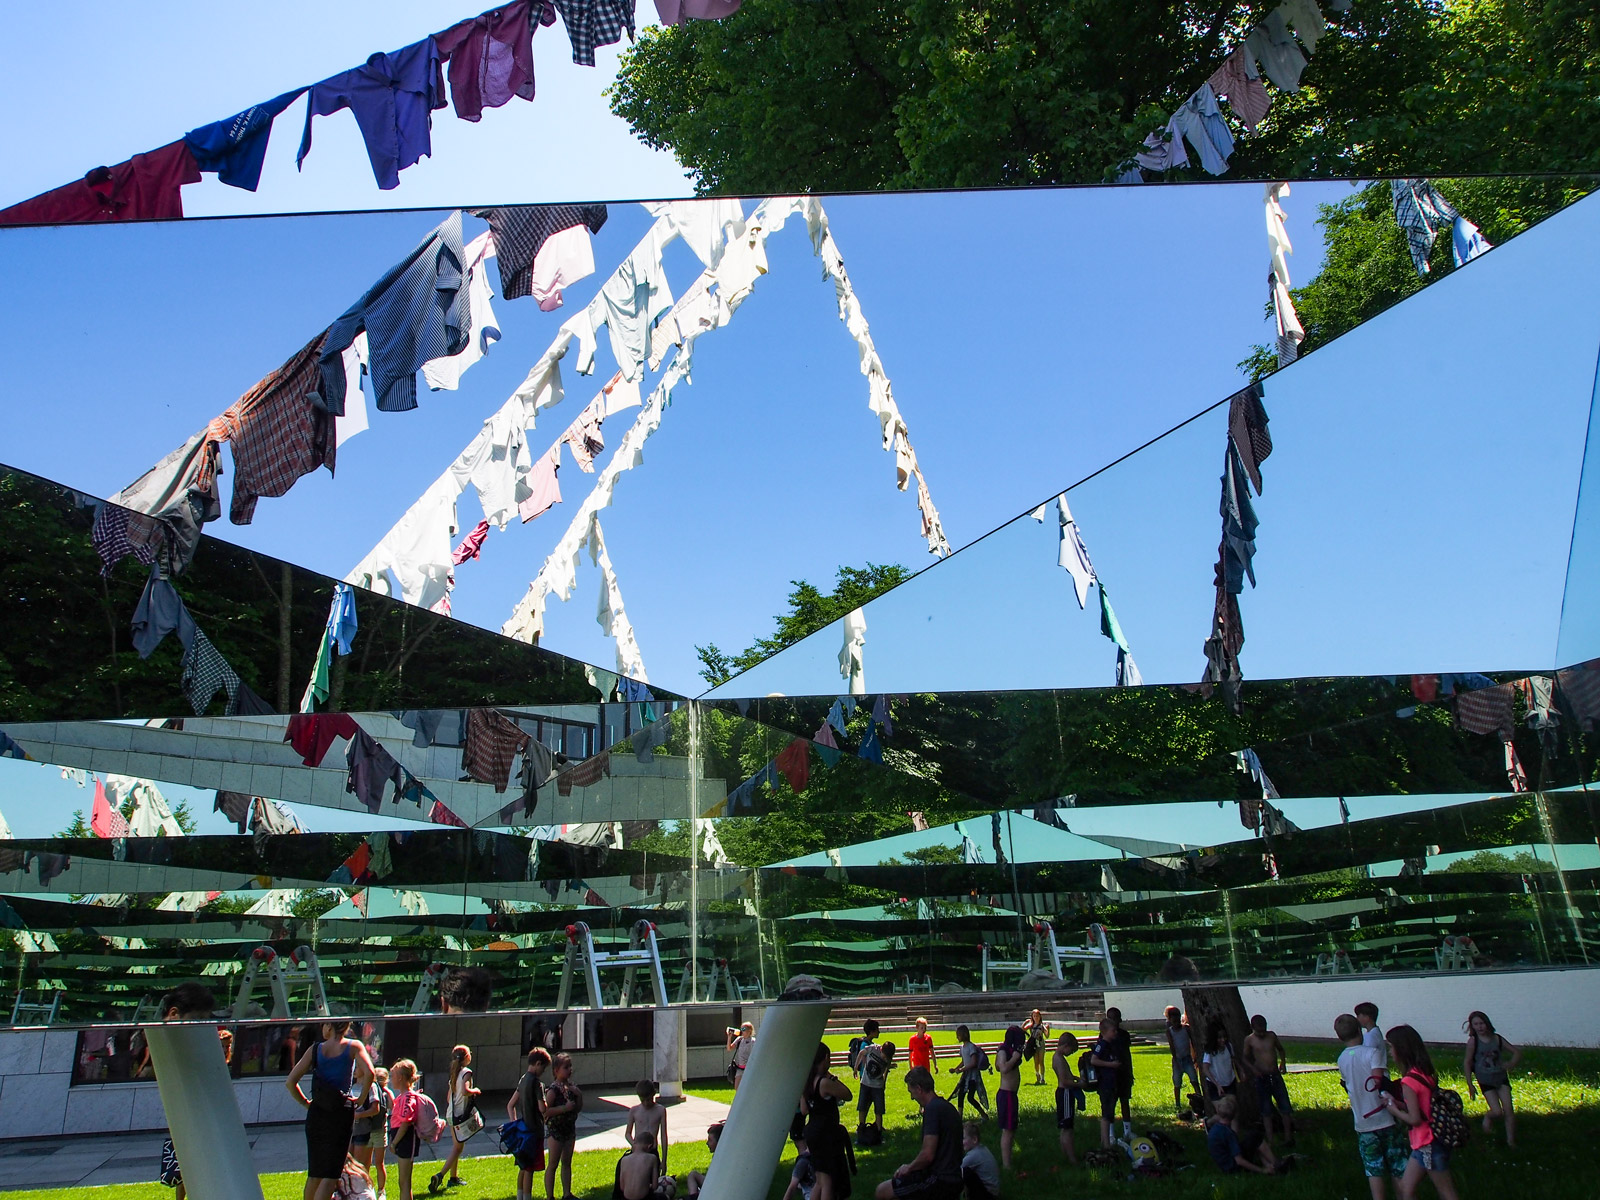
<point>870,1098</point>
<point>408,1144</point>
<point>1125,1086</point>
<point>1384,1152</point>
<point>531,1156</point>
<point>1493,1082</point>
<point>924,1185</point>
<point>361,1139</point>
<point>797,1126</point>
<point>1183,1068</point>
<point>1006,1108</point>
<point>1432,1157</point>
<point>1108,1099</point>
<point>1065,1110</point>
<point>1272,1091</point>
<point>973,1187</point>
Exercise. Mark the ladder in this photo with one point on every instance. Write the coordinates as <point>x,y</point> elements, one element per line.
<point>720,973</point>
<point>300,972</point>
<point>428,987</point>
<point>583,957</point>
<point>998,966</point>
<point>1095,952</point>
<point>25,1013</point>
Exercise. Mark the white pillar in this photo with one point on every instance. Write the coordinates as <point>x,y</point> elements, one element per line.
<point>202,1114</point>
<point>764,1105</point>
<point>671,1024</point>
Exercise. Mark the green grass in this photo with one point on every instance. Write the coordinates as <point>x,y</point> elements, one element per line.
<point>1557,1097</point>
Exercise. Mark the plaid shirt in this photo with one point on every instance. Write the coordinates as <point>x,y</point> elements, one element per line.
<point>204,673</point>
<point>492,745</point>
<point>1487,710</point>
<point>119,532</point>
<point>1421,212</point>
<point>521,229</point>
<point>592,23</point>
<point>278,435</point>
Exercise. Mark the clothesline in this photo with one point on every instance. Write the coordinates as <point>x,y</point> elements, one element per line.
<point>1072,555</point>
<point>392,97</point>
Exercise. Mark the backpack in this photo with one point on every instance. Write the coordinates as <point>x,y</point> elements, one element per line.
<point>1447,1116</point>
<point>874,1066</point>
<point>514,1137</point>
<point>869,1135</point>
<point>853,1053</point>
<point>983,1059</point>
<point>427,1124</point>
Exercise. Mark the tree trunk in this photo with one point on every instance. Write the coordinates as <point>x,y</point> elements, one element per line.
<point>1213,1004</point>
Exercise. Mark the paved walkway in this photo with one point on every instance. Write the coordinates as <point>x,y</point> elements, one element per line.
<point>90,1161</point>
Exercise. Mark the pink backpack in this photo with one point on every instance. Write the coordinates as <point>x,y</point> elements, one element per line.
<point>428,1126</point>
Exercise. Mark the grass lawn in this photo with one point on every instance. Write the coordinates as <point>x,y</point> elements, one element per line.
<point>1557,1096</point>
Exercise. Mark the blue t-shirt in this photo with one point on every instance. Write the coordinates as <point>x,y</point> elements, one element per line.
<point>1224,1146</point>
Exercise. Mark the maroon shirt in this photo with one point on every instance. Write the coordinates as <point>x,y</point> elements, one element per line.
<point>141,189</point>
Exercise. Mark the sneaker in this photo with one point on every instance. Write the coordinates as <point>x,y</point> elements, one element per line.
<point>455,1182</point>
<point>433,1184</point>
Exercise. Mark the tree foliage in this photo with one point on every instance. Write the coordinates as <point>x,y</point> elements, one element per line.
<point>880,94</point>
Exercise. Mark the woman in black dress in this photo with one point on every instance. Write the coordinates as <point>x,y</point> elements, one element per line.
<point>341,1070</point>
<point>826,1138</point>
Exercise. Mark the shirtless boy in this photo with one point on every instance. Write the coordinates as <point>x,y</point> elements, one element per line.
<point>639,1174</point>
<point>647,1121</point>
<point>1008,1061</point>
<point>1066,1084</point>
<point>1266,1061</point>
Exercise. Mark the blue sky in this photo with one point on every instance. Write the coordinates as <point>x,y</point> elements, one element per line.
<point>143,75</point>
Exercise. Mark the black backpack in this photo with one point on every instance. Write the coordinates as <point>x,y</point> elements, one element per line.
<point>1447,1116</point>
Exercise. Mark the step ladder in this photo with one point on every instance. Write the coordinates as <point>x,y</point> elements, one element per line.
<point>720,975</point>
<point>25,1012</point>
<point>1000,966</point>
<point>298,977</point>
<point>1094,953</point>
<point>582,957</point>
<point>428,988</point>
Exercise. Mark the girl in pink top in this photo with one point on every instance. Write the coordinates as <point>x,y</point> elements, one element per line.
<point>1414,1109</point>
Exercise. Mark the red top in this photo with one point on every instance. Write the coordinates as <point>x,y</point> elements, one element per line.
<point>1421,1135</point>
<point>920,1048</point>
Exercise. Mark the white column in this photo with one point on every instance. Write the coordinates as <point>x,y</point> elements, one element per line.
<point>671,1024</point>
<point>202,1114</point>
<point>764,1105</point>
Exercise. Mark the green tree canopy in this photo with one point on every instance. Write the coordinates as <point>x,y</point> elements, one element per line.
<point>881,94</point>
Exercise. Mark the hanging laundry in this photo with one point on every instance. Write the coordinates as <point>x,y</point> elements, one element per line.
<point>1538,701</point>
<point>1515,775</point>
<point>647,739</point>
<point>119,532</point>
<point>317,689</point>
<point>994,837</point>
<point>1201,122</point>
<point>544,487</point>
<point>1421,212</point>
<point>836,716</point>
<point>676,12</point>
<point>1239,81</point>
<point>146,187</point>
<point>1072,554</point>
<point>371,768</point>
<point>417,550</point>
<point>881,714</point>
<point>603,681</point>
<point>179,494</point>
<point>235,806</point>
<point>1223,646</point>
<point>415,792</point>
<point>278,432</point>
<point>871,747</point>
<point>440,815</point>
<point>1487,710</point>
<point>1108,619</point>
<point>794,761</point>
<point>628,305</point>
<point>354,418</point>
<point>585,774</point>
<point>10,749</point>
<point>1466,243</point>
<point>1165,149</point>
<point>969,850</point>
<point>436,726</point>
<point>247,704</point>
<point>358,865</point>
<point>148,815</point>
<point>1247,426</point>
<point>850,656</point>
<point>919,821</point>
<point>236,148</point>
<point>1275,49</point>
<point>702,224</point>
<point>497,464</point>
<point>1425,687</point>
<point>521,230</point>
<point>594,23</point>
<point>312,733</point>
<point>1274,824</point>
<point>566,257</point>
<point>621,393</point>
<point>417,311</point>
<point>381,862</point>
<point>1307,20</point>
<point>342,622</point>
<point>493,743</point>
<point>1290,332</point>
<point>583,436</point>
<point>611,615</point>
<point>1239,523</point>
<point>491,56</point>
<point>105,820</point>
<point>444,373</point>
<point>392,97</point>
<point>1127,670</point>
<point>1579,690</point>
<point>160,612</point>
<point>204,672</point>
<point>51,866</point>
<point>1249,763</point>
<point>471,545</point>
<point>538,762</point>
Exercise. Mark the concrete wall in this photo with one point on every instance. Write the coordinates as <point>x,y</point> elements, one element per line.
<point>1551,1007</point>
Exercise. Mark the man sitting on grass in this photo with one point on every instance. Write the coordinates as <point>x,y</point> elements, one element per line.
<point>935,1173</point>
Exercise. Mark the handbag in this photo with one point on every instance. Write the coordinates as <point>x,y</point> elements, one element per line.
<point>733,1070</point>
<point>468,1124</point>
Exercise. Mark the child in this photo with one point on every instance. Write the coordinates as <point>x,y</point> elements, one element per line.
<point>1383,1151</point>
<point>1265,1056</point>
<point>804,1176</point>
<point>1106,1070</point>
<point>741,1042</point>
<point>1006,1107</point>
<point>1038,1031</point>
<point>1231,1151</point>
<point>462,1096</point>
<point>354,1182</point>
<point>697,1178</point>
<point>527,1105</point>
<point>1367,1013</point>
<point>1484,1066</point>
<point>411,1118</point>
<point>1180,1045</point>
<point>1124,1046</point>
<point>370,1134</point>
<point>979,1174</point>
<point>920,1048</point>
<point>647,1120</point>
<point>563,1101</point>
<point>639,1174</point>
<point>1217,1066</point>
<point>871,1066</point>
<point>1067,1084</point>
<point>971,1068</point>
<point>1417,1084</point>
